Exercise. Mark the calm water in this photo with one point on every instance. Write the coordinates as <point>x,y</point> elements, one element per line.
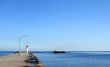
<point>75,59</point>
<point>2,53</point>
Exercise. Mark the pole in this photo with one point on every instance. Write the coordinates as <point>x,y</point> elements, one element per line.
<point>19,44</point>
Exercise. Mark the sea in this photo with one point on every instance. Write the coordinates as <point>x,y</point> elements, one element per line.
<point>71,58</point>
<point>3,53</point>
<point>75,59</point>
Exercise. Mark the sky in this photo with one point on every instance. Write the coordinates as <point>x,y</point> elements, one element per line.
<point>74,25</point>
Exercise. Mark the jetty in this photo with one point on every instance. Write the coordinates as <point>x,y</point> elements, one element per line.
<point>21,59</point>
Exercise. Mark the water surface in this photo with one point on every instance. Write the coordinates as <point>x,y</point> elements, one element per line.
<point>75,59</point>
<point>3,53</point>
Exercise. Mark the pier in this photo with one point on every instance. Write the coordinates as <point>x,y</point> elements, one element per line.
<point>20,60</point>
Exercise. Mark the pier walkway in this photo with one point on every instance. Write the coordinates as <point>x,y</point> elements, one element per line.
<point>16,60</point>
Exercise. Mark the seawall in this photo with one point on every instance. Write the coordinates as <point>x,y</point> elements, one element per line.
<point>20,60</point>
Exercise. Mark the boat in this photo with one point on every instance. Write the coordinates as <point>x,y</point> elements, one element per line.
<point>59,51</point>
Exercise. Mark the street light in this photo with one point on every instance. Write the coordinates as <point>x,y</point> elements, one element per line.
<point>20,42</point>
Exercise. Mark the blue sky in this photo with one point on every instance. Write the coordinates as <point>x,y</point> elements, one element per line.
<point>55,24</point>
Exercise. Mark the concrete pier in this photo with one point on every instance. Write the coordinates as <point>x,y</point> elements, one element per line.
<point>22,60</point>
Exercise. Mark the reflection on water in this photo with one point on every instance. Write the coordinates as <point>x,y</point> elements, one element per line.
<point>75,59</point>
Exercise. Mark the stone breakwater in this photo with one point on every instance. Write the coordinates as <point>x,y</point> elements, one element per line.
<point>20,60</point>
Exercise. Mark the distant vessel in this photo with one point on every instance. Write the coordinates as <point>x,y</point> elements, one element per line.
<point>58,51</point>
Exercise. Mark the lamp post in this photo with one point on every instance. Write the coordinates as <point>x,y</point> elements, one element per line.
<point>20,43</point>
